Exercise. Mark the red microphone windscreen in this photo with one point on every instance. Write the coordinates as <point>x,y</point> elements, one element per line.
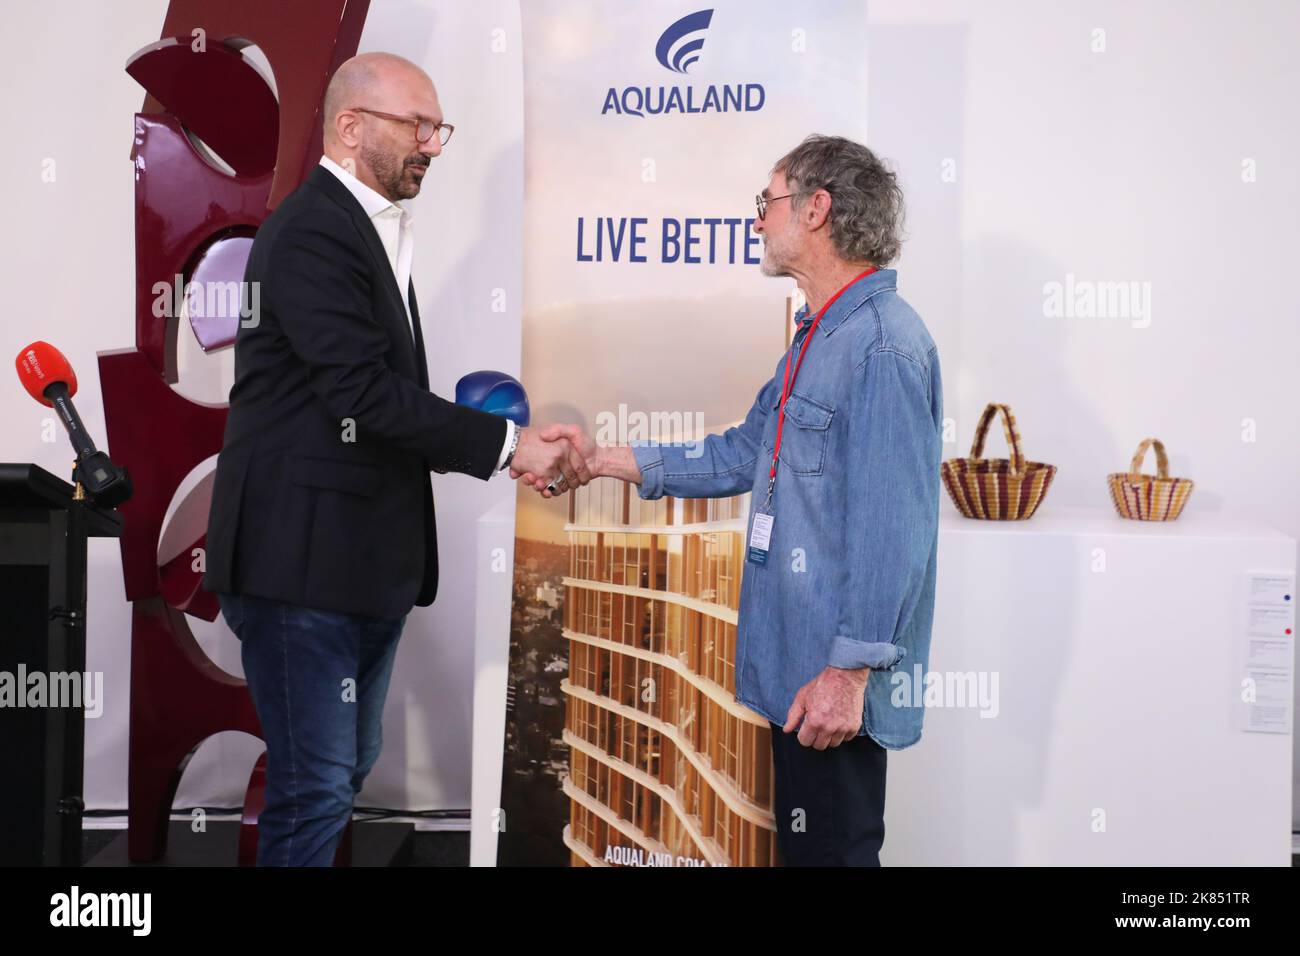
<point>39,366</point>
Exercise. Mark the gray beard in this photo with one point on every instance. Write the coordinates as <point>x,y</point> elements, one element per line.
<point>773,268</point>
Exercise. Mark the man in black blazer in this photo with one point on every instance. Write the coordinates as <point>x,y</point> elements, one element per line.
<point>321,534</point>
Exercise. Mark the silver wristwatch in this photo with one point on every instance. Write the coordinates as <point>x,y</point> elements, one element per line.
<point>514,444</point>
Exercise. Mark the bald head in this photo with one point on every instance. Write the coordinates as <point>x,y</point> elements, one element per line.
<point>382,151</point>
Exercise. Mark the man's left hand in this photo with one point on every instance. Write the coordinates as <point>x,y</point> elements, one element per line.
<point>830,706</point>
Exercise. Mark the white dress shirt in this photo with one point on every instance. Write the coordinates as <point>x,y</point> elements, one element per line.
<point>393,224</point>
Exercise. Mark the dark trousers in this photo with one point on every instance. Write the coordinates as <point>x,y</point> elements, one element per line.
<point>830,804</point>
<point>318,681</point>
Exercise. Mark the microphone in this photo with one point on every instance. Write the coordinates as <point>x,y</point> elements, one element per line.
<point>48,377</point>
<point>494,392</point>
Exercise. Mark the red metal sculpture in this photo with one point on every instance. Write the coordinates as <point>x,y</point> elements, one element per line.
<point>194,221</point>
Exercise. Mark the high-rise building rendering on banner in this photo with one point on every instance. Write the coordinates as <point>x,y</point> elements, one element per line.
<point>665,768</point>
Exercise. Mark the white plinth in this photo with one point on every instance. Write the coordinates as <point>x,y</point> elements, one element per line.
<point>496,549</point>
<point>1118,695</point>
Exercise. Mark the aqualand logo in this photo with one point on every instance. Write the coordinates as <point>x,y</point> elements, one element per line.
<point>679,47</point>
<point>682,42</point>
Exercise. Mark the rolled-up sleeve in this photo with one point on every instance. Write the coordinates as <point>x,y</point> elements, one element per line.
<point>717,467</point>
<point>893,507</point>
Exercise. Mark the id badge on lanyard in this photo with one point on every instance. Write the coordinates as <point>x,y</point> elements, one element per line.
<point>760,534</point>
<point>760,537</point>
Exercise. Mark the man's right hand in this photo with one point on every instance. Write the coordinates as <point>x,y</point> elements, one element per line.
<point>616,461</point>
<point>536,455</point>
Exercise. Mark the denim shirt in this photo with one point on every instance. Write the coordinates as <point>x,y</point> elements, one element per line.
<point>850,575</point>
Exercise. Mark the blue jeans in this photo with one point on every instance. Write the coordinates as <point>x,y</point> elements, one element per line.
<point>318,681</point>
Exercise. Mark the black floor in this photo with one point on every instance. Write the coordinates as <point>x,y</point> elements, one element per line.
<point>428,847</point>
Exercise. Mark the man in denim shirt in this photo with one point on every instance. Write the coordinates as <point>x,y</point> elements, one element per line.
<point>840,590</point>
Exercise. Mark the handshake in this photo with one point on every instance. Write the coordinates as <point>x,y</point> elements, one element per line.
<point>558,458</point>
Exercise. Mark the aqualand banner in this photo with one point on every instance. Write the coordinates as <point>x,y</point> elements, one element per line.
<point>649,128</point>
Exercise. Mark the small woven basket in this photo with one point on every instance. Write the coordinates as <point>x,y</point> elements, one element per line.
<point>997,489</point>
<point>1143,497</point>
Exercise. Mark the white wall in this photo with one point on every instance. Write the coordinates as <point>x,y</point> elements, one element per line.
<point>1124,165</point>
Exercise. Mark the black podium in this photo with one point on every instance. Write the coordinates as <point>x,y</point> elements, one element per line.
<point>43,531</point>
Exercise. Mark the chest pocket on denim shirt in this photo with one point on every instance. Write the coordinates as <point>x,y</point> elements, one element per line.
<point>807,431</point>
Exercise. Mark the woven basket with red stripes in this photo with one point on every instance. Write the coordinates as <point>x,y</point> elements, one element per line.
<point>1143,497</point>
<point>997,489</point>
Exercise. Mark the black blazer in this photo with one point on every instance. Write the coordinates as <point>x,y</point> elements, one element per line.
<point>322,495</point>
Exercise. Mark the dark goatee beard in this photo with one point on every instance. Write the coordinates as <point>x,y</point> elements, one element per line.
<point>389,171</point>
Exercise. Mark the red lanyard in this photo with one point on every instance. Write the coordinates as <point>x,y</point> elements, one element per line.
<point>788,385</point>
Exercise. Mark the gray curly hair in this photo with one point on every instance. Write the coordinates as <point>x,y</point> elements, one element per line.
<point>866,214</point>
